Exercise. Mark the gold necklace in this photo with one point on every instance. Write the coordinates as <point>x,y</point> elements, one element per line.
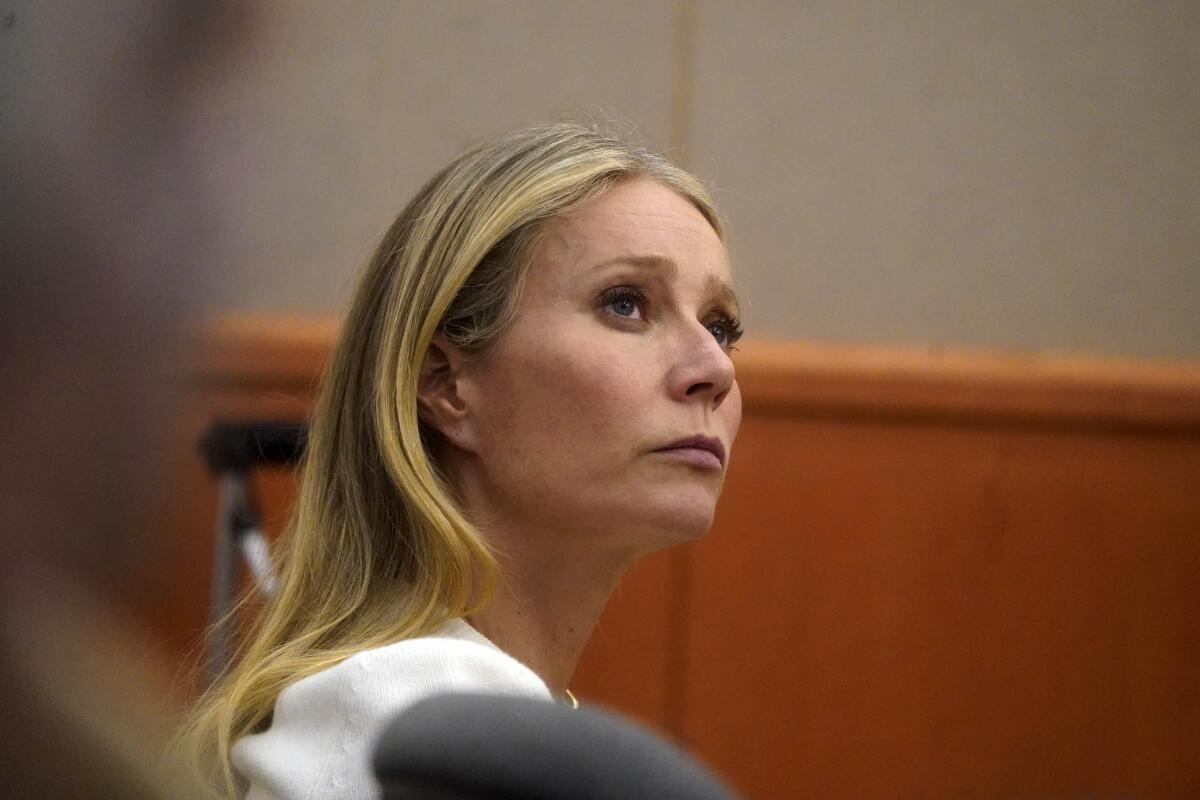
<point>571,697</point>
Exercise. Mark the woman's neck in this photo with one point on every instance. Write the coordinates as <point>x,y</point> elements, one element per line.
<point>547,604</point>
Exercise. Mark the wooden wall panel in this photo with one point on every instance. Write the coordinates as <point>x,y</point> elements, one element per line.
<point>931,575</point>
<point>918,609</point>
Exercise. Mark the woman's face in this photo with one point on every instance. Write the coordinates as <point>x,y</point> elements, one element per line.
<point>620,349</point>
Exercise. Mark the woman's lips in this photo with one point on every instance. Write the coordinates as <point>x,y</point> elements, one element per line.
<point>695,456</point>
<point>701,451</point>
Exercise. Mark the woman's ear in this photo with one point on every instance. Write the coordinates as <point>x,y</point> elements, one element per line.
<point>439,402</point>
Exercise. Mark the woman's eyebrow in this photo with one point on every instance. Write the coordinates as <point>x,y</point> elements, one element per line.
<point>724,292</point>
<point>651,262</point>
<point>714,286</point>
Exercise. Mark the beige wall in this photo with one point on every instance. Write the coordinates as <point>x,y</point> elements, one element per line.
<point>1000,174</point>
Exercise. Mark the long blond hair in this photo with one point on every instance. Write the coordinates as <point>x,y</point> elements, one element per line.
<point>377,549</point>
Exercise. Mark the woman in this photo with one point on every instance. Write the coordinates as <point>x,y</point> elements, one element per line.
<point>532,390</point>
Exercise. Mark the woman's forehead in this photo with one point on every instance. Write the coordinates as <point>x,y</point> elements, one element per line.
<point>639,223</point>
<point>641,207</point>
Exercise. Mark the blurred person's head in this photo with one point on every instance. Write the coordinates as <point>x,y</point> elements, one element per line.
<point>105,227</point>
<point>549,312</point>
<point>108,229</point>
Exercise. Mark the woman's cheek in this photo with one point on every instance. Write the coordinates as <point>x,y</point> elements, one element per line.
<point>734,412</point>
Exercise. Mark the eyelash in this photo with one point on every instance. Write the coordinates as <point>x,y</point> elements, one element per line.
<point>731,324</point>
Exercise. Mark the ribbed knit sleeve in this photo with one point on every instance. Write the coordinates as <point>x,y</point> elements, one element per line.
<point>324,728</point>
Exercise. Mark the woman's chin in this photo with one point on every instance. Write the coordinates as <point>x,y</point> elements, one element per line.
<point>681,518</point>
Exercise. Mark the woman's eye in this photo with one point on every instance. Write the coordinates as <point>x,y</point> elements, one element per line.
<point>726,331</point>
<point>626,306</point>
<point>624,302</point>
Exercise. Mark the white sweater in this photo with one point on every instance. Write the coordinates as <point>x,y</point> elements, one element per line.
<point>324,729</point>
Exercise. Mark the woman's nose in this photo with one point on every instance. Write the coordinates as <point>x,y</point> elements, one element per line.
<point>702,369</point>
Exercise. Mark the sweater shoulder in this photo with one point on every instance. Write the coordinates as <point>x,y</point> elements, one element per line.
<point>435,664</point>
<point>325,725</point>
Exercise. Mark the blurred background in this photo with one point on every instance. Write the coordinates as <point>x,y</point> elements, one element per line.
<point>959,549</point>
<point>1001,174</point>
